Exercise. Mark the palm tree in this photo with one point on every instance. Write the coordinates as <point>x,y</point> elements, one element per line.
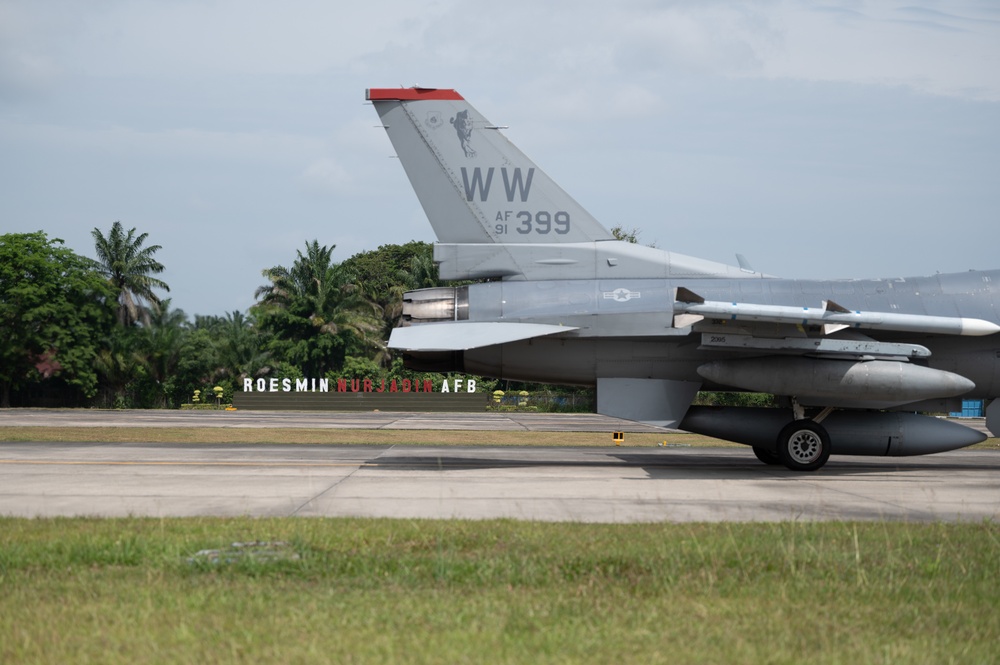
<point>117,365</point>
<point>316,311</point>
<point>129,268</point>
<point>162,341</point>
<point>423,272</point>
<point>240,347</point>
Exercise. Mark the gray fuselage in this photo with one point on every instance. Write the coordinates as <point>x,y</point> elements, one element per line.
<point>624,326</point>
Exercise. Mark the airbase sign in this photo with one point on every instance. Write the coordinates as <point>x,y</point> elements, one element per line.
<point>356,385</point>
<point>311,394</point>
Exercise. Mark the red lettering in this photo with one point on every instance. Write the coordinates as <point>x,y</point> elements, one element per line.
<point>368,385</point>
<point>381,388</point>
<point>341,385</point>
<point>428,386</point>
<point>406,385</point>
<point>392,387</point>
<point>355,385</point>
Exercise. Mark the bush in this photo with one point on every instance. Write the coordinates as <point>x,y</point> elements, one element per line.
<point>708,398</point>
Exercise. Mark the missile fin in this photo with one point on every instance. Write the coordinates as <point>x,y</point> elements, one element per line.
<point>831,306</point>
<point>685,320</point>
<point>687,296</point>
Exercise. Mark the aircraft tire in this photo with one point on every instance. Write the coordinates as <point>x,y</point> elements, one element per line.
<point>766,456</point>
<point>803,446</point>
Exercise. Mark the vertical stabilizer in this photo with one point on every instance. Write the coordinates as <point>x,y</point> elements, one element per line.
<point>474,185</point>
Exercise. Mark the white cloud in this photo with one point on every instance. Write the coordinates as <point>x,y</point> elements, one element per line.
<point>879,44</point>
<point>710,38</point>
<point>26,68</point>
<point>705,123</point>
<point>211,37</point>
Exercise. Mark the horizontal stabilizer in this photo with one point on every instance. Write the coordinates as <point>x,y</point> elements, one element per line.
<point>464,335</point>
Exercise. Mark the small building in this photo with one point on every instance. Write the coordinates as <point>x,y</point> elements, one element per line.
<point>971,408</point>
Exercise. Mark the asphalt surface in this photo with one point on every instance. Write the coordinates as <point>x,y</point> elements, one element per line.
<point>534,422</point>
<point>549,484</point>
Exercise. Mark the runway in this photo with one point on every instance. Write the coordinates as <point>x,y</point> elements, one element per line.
<point>529,422</point>
<point>546,484</point>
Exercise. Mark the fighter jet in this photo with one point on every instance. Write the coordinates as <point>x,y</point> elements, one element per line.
<point>854,362</point>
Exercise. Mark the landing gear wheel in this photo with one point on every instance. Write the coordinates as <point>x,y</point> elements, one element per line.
<point>803,446</point>
<point>766,456</point>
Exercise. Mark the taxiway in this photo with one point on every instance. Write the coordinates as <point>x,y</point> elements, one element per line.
<point>550,484</point>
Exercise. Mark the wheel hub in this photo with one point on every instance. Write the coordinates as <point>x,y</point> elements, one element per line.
<point>805,446</point>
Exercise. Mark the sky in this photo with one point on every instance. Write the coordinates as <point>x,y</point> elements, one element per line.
<point>836,139</point>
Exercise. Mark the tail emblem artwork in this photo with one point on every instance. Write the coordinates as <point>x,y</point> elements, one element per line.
<point>434,120</point>
<point>853,362</point>
<point>463,126</point>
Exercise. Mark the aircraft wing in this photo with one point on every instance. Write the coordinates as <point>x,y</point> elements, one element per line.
<point>464,335</point>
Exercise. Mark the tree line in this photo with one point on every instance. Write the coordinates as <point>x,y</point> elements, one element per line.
<point>101,332</point>
<point>76,331</point>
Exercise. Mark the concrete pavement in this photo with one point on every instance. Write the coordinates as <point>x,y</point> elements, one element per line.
<point>535,422</point>
<point>550,484</point>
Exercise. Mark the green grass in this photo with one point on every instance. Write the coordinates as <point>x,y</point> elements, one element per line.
<point>248,435</point>
<point>397,591</point>
<point>213,435</point>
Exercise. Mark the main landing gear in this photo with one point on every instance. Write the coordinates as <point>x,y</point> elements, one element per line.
<point>802,445</point>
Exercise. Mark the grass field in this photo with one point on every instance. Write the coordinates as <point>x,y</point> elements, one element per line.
<point>403,591</point>
<point>359,436</point>
<point>342,436</point>
<point>392,591</point>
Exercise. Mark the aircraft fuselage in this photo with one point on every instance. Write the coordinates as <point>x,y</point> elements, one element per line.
<point>570,303</point>
<point>623,327</point>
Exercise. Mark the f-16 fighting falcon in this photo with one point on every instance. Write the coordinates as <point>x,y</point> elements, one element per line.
<point>853,361</point>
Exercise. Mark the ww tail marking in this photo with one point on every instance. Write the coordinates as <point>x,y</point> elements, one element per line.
<point>513,184</point>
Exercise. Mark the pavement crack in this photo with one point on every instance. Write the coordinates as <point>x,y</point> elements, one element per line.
<point>340,481</point>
